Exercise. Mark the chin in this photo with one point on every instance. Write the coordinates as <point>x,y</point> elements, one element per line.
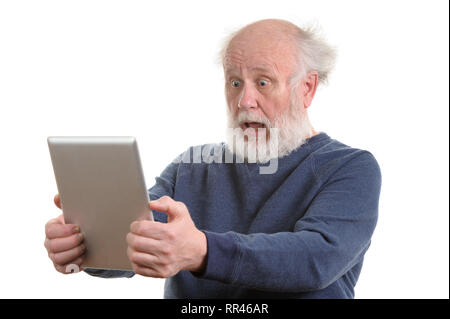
<point>288,132</point>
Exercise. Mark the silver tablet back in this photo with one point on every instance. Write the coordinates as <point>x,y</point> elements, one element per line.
<point>102,190</point>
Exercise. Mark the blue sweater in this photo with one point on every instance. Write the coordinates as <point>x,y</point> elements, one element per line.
<point>301,232</point>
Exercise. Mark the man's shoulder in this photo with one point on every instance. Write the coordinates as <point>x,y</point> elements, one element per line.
<point>333,155</point>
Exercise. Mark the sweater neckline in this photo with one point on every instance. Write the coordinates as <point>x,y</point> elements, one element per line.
<point>316,138</point>
<point>291,156</point>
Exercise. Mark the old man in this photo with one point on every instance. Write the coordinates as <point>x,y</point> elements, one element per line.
<point>226,229</point>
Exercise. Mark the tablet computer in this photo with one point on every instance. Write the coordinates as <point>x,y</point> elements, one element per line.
<point>102,189</point>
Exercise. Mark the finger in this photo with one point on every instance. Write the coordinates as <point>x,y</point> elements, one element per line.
<point>57,245</point>
<point>148,229</point>
<point>57,220</point>
<point>71,267</point>
<point>64,257</point>
<point>167,205</point>
<point>143,244</point>
<point>141,259</point>
<point>61,220</point>
<point>57,200</point>
<point>145,271</point>
<point>54,229</point>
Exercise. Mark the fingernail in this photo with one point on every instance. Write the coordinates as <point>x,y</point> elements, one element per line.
<point>80,235</point>
<point>76,229</point>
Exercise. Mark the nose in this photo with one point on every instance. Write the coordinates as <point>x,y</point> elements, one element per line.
<point>248,98</point>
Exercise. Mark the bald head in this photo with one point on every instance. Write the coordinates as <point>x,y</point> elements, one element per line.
<point>273,28</point>
<point>304,48</point>
<point>271,37</point>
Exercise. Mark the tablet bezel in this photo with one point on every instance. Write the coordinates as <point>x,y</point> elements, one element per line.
<point>102,189</point>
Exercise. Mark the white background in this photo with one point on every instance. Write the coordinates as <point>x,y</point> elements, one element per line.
<point>149,69</point>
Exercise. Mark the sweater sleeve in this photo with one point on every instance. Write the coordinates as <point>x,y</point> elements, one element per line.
<point>109,273</point>
<point>164,185</point>
<point>330,238</point>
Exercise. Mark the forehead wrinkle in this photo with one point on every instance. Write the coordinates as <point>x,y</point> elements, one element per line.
<point>262,64</point>
<point>266,68</point>
<point>233,59</point>
<point>273,54</point>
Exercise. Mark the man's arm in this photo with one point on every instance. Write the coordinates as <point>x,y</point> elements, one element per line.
<point>326,242</point>
<point>329,240</point>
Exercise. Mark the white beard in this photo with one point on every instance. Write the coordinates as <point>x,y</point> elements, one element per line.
<point>288,132</point>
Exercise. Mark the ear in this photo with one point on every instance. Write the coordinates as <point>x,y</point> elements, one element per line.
<point>308,87</point>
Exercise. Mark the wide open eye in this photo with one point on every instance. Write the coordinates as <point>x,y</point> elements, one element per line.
<point>235,83</point>
<point>263,82</point>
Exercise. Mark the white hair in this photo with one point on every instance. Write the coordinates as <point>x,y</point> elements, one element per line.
<point>313,52</point>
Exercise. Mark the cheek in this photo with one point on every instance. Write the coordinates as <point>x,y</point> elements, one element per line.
<point>231,99</point>
<point>275,106</point>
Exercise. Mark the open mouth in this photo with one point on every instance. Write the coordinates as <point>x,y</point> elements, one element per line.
<point>255,125</point>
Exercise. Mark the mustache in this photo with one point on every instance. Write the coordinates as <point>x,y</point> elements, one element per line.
<point>251,117</point>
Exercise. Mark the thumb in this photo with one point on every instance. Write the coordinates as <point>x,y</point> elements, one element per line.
<point>57,200</point>
<point>167,205</point>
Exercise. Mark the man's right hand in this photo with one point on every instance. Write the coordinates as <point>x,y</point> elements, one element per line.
<point>64,243</point>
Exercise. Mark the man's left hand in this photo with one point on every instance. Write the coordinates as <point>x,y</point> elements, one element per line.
<point>162,250</point>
